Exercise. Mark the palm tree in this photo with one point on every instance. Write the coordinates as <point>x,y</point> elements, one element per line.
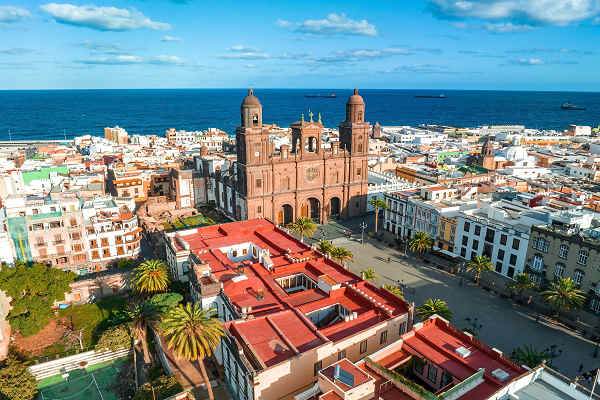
<point>395,290</point>
<point>325,247</point>
<point>479,265</point>
<point>434,306</point>
<point>563,295</point>
<point>303,226</point>
<point>193,335</point>
<point>342,254</point>
<point>522,283</point>
<point>151,276</point>
<point>369,275</point>
<point>142,316</point>
<point>529,355</point>
<point>378,203</point>
<point>420,243</point>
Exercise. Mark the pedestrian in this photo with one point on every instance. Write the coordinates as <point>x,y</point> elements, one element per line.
<point>580,368</point>
<point>389,259</point>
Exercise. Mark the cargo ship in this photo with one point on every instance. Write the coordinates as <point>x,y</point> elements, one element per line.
<point>569,106</point>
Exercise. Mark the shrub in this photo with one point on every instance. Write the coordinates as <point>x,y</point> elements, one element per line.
<point>115,338</point>
<point>16,382</point>
<point>164,386</point>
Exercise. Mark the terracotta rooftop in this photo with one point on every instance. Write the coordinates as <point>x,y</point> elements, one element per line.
<point>253,289</point>
<point>359,376</point>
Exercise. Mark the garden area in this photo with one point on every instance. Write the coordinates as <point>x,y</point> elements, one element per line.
<point>189,222</point>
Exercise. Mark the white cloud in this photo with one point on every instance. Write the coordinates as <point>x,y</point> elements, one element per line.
<point>16,51</point>
<point>363,54</point>
<point>166,60</point>
<point>506,27</point>
<point>102,18</point>
<point>528,61</point>
<point>116,60</point>
<point>9,14</point>
<point>168,38</point>
<point>333,24</point>
<point>250,66</point>
<point>249,55</point>
<point>551,12</point>
<point>242,49</point>
<point>460,25</point>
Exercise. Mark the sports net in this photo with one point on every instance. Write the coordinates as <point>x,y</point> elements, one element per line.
<point>84,385</point>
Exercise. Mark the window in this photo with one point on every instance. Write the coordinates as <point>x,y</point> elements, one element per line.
<point>489,235</point>
<point>467,227</point>
<point>563,251</point>
<point>513,259</point>
<point>419,365</point>
<point>541,244</point>
<point>363,347</point>
<point>511,272</point>
<point>477,230</point>
<point>383,337</point>
<point>515,244</point>
<point>259,209</point>
<point>583,257</point>
<point>358,171</point>
<point>259,183</point>
<point>465,240</point>
<point>537,262</point>
<point>463,252</point>
<point>559,270</point>
<point>503,238</point>
<point>245,251</point>
<point>341,355</point>
<point>578,276</point>
<point>499,267</point>
<point>234,253</point>
<point>475,245</point>
<point>432,373</point>
<point>473,255</point>
<point>402,329</point>
<point>500,255</point>
<point>317,367</point>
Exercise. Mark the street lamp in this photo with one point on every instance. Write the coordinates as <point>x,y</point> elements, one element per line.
<point>363,226</point>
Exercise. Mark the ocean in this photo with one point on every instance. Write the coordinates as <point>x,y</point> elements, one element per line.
<point>56,114</point>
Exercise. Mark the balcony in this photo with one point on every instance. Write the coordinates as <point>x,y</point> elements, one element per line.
<point>57,242</point>
<point>531,269</point>
<point>41,244</point>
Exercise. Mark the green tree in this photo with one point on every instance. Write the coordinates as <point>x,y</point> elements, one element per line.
<point>342,254</point>
<point>563,295</point>
<point>193,335</point>
<point>325,247</point>
<point>159,389</point>
<point>522,282</point>
<point>420,243</point>
<point>303,226</point>
<point>394,290</point>
<point>529,355</point>
<point>114,338</point>
<point>379,204</point>
<point>432,307</point>
<point>125,263</point>
<point>33,290</point>
<point>165,301</point>
<point>479,265</point>
<point>143,315</point>
<point>16,382</point>
<point>150,277</point>
<point>369,275</point>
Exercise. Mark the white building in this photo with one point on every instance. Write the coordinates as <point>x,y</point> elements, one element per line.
<point>579,130</point>
<point>112,232</point>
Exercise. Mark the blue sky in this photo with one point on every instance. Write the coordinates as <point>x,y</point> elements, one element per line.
<point>445,44</point>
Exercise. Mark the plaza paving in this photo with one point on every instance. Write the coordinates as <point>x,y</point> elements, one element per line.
<point>500,322</point>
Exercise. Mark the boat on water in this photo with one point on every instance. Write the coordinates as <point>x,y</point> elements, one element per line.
<point>428,96</point>
<point>326,96</point>
<point>569,106</point>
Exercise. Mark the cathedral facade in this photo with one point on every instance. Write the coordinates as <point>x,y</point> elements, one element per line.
<point>304,179</point>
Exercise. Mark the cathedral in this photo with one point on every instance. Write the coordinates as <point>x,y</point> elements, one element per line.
<point>304,179</point>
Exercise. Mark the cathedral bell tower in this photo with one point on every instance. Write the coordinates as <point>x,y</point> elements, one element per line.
<point>253,146</point>
<point>354,131</point>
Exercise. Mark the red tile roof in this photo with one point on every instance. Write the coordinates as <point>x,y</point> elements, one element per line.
<point>262,293</point>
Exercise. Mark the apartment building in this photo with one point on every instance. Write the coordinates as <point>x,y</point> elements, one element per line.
<point>566,248</point>
<point>48,230</point>
<point>181,137</point>
<point>112,232</point>
<point>117,135</point>
<point>289,311</point>
<point>499,231</point>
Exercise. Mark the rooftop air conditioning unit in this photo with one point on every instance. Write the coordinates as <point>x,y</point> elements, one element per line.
<point>500,374</point>
<point>463,352</point>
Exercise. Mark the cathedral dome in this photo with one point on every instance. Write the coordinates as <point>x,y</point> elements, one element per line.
<point>356,98</point>
<point>251,100</point>
<point>516,153</point>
